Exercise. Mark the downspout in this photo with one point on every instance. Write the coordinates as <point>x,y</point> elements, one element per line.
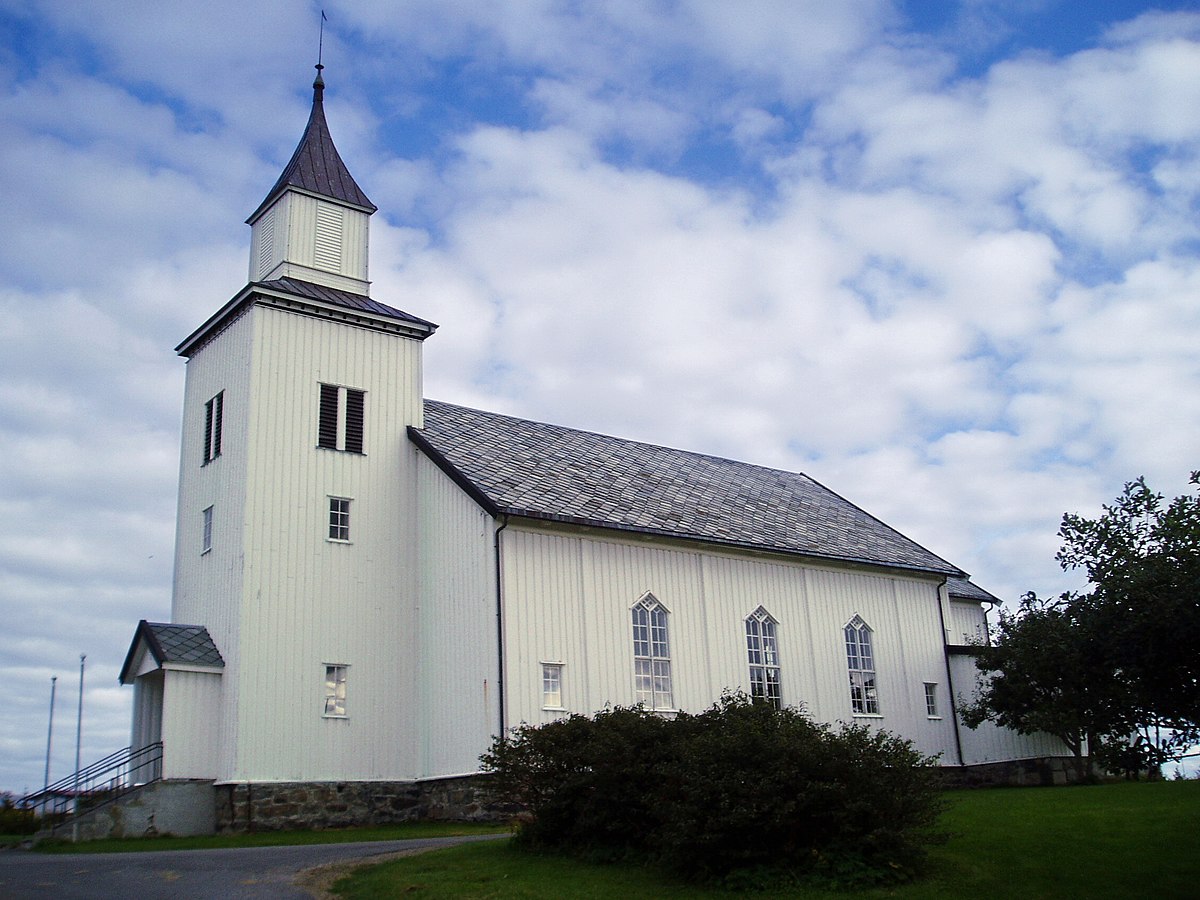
<point>500,628</point>
<point>949,676</point>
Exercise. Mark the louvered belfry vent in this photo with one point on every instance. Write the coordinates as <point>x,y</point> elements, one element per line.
<point>327,254</point>
<point>354,421</point>
<point>213,416</point>
<point>341,420</point>
<point>327,425</point>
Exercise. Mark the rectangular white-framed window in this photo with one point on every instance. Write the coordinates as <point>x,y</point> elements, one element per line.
<point>552,685</point>
<point>339,519</point>
<point>214,415</point>
<point>335,690</point>
<point>860,660</point>
<point>340,418</point>
<point>651,655</point>
<point>206,532</point>
<point>931,700</point>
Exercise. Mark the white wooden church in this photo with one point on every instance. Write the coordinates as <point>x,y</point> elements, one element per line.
<point>369,585</point>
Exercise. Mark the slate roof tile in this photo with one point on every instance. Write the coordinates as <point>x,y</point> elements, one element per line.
<point>962,589</point>
<point>184,644</point>
<point>550,472</point>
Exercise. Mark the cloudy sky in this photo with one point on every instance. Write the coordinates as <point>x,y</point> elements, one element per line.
<point>943,257</point>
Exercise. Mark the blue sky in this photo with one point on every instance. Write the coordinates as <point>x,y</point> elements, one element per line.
<point>942,257</point>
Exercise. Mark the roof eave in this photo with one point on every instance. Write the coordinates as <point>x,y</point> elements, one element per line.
<point>369,209</point>
<point>143,632</point>
<point>413,327</point>
<point>773,549</point>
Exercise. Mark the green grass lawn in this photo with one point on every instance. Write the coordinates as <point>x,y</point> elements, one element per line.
<point>1120,840</point>
<point>274,838</point>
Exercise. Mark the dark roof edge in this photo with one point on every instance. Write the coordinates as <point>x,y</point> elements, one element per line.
<point>964,649</point>
<point>413,326</point>
<point>950,569</point>
<point>469,487</point>
<point>737,545</point>
<point>492,508</point>
<point>146,633</point>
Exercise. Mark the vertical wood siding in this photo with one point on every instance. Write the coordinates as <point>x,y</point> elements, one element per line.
<point>147,710</point>
<point>190,704</point>
<point>967,624</point>
<point>208,587</point>
<point>313,234</point>
<point>567,599</point>
<point>988,742</point>
<point>458,667</point>
<point>279,599</point>
<point>310,602</point>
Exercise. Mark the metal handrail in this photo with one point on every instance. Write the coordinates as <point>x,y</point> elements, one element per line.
<point>99,782</point>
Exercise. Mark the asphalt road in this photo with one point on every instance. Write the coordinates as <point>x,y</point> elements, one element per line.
<point>256,872</point>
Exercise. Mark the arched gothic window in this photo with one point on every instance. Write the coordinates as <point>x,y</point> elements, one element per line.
<point>651,654</point>
<point>762,649</point>
<point>864,698</point>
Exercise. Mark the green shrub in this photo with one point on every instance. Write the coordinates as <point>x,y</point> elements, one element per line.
<point>742,793</point>
<point>15,820</point>
<point>587,783</point>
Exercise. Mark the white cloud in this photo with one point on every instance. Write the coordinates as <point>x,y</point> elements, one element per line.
<point>967,304</point>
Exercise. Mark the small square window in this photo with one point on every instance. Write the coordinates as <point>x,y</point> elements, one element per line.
<point>206,533</point>
<point>335,691</point>
<point>552,685</point>
<point>931,702</point>
<point>339,519</point>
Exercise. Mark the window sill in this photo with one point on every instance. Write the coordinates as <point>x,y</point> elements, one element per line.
<point>555,709</point>
<point>332,716</point>
<point>934,718</point>
<point>338,541</point>
<point>867,715</point>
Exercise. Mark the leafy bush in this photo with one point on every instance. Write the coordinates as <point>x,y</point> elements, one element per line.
<point>742,793</point>
<point>14,819</point>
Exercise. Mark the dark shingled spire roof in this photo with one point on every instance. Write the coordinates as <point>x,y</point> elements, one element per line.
<point>315,167</point>
<point>517,467</point>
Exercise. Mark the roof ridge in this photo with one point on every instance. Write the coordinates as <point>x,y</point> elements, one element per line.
<point>696,454</point>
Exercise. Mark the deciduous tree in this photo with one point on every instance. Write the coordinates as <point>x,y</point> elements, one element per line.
<point>1097,668</point>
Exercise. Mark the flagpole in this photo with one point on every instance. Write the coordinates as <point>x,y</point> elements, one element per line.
<point>79,729</point>
<point>50,731</point>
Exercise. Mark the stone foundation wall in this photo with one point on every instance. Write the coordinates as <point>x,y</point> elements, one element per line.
<point>1043,771</point>
<point>275,806</point>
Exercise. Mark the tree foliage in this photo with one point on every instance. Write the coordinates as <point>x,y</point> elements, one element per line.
<point>1042,675</point>
<point>740,788</point>
<point>1120,660</point>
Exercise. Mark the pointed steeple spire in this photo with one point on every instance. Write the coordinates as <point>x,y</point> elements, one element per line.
<point>316,168</point>
<point>314,223</point>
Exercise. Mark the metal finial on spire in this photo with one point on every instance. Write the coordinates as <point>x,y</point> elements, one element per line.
<point>319,82</point>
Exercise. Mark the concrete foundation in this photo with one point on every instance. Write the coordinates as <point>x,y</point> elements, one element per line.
<point>179,808</point>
